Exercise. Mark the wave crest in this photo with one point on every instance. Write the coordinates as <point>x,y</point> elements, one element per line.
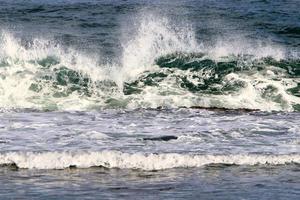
<point>115,159</point>
<point>161,65</point>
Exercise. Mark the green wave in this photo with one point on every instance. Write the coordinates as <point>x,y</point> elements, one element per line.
<point>194,74</point>
<point>202,75</point>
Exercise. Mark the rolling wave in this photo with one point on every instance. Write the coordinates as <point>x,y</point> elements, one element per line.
<point>116,159</point>
<point>161,66</point>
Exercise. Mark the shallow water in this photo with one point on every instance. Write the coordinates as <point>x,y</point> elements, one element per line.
<point>98,99</point>
<point>109,154</point>
<point>214,182</point>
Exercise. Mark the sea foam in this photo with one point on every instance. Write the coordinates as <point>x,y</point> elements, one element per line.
<point>44,75</point>
<point>116,159</point>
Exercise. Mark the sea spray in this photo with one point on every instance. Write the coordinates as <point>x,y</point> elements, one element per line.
<point>162,65</point>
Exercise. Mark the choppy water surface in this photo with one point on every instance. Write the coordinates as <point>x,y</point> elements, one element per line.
<point>101,99</point>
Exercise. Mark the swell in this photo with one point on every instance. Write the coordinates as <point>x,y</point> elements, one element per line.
<point>116,159</point>
<point>161,66</point>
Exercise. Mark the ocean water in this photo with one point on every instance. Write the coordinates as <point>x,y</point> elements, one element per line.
<point>149,99</point>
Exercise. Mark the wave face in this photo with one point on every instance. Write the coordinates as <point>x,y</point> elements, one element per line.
<point>161,65</point>
<point>115,159</point>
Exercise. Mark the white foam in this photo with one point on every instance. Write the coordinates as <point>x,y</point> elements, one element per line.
<point>116,159</point>
<point>155,36</point>
<point>21,69</point>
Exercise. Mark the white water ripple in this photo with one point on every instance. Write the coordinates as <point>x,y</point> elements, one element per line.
<point>115,159</point>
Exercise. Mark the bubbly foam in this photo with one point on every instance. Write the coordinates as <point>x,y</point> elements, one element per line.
<point>22,67</point>
<point>45,75</point>
<point>115,159</point>
<point>155,37</point>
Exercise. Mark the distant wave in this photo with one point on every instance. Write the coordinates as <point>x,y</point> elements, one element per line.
<point>161,66</point>
<point>116,159</point>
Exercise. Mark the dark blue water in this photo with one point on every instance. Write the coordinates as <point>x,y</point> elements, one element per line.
<point>149,99</point>
<point>99,24</point>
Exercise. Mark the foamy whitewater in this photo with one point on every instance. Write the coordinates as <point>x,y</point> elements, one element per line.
<point>159,66</point>
<point>137,161</point>
<point>149,99</point>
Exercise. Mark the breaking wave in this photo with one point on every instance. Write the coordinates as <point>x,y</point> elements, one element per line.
<point>116,159</point>
<point>161,66</point>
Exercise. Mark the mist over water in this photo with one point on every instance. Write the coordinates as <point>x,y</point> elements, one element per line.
<point>103,98</point>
